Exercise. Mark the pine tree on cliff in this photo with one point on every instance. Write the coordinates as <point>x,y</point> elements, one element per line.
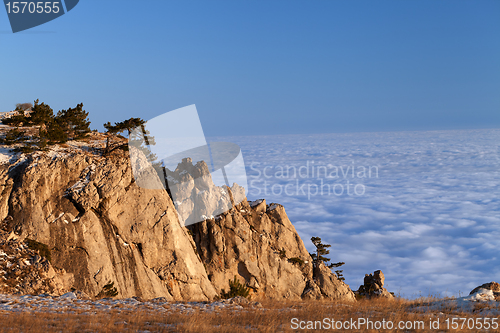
<point>71,124</point>
<point>41,114</point>
<point>319,256</point>
<point>128,125</point>
<point>74,122</point>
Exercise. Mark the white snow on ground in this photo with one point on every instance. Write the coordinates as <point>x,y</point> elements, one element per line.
<point>255,203</point>
<point>272,207</point>
<point>82,183</point>
<point>430,220</point>
<point>481,303</point>
<point>7,114</point>
<point>69,303</point>
<point>93,146</point>
<point>5,155</point>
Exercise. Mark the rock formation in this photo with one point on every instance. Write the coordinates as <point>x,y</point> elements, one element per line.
<point>258,243</point>
<point>373,286</point>
<point>493,286</point>
<point>99,226</point>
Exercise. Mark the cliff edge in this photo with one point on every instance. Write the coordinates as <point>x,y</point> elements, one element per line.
<point>100,227</point>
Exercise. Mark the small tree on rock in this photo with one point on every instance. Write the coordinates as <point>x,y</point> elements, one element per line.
<point>41,114</point>
<point>144,138</point>
<point>74,122</point>
<point>236,288</point>
<point>319,256</point>
<point>127,125</point>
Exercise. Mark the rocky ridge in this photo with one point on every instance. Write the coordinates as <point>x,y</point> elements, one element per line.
<point>373,286</point>
<point>99,226</point>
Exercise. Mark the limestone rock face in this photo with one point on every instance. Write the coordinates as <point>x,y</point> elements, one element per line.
<point>100,226</point>
<point>331,287</point>
<point>259,245</point>
<point>373,286</point>
<point>195,196</point>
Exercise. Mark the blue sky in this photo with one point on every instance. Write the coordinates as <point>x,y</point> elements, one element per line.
<point>265,67</point>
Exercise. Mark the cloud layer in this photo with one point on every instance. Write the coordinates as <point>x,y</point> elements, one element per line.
<point>429,219</point>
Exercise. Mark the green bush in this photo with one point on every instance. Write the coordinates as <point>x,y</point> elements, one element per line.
<point>109,290</point>
<point>296,260</point>
<point>235,289</point>
<point>70,124</point>
<point>13,136</point>
<point>340,275</point>
<point>16,120</point>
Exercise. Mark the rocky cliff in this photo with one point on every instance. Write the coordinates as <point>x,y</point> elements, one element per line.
<point>99,226</point>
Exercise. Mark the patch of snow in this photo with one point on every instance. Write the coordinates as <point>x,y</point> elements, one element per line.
<point>480,295</point>
<point>272,207</point>
<point>80,185</point>
<point>255,203</point>
<point>172,180</point>
<point>68,296</point>
<point>60,215</point>
<point>6,155</point>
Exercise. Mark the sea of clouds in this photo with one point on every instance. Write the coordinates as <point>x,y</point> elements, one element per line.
<point>423,207</point>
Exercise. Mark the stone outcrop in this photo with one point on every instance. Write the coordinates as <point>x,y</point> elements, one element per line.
<point>99,226</point>
<point>195,196</point>
<point>262,248</point>
<point>373,286</point>
<point>493,286</point>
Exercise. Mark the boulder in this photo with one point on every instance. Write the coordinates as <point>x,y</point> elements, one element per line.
<point>373,286</point>
<point>493,286</point>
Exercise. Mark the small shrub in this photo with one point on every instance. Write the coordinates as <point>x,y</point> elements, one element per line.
<point>282,254</point>
<point>358,296</point>
<point>296,260</point>
<point>24,149</point>
<point>13,136</point>
<point>42,249</point>
<point>109,290</point>
<point>340,275</point>
<point>236,288</point>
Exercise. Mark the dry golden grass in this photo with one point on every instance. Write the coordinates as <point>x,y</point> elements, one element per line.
<point>273,317</point>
